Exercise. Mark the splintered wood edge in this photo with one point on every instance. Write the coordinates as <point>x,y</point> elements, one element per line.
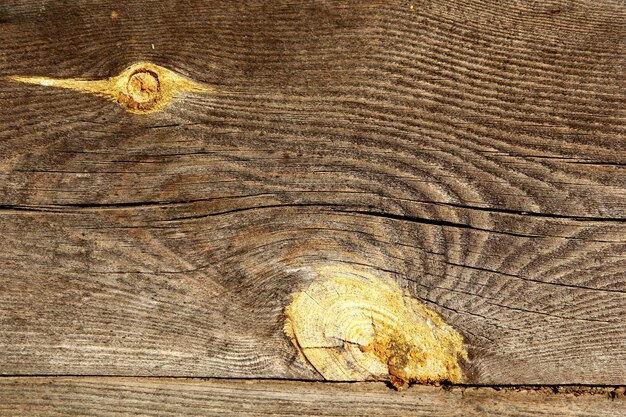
<point>141,88</point>
<point>351,325</point>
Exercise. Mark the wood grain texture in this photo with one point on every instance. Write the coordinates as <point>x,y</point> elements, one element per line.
<point>182,397</point>
<point>474,150</point>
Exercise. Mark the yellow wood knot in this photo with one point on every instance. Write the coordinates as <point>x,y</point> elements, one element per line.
<point>351,325</point>
<point>140,89</point>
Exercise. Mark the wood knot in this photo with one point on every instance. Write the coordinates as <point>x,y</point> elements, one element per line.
<point>143,91</point>
<point>351,325</point>
<point>140,89</point>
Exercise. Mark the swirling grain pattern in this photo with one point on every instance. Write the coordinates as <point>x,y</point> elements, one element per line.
<point>474,152</point>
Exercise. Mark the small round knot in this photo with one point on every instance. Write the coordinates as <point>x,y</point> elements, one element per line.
<point>143,90</point>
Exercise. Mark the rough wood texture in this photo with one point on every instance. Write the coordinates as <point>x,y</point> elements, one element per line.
<point>475,150</point>
<point>180,397</point>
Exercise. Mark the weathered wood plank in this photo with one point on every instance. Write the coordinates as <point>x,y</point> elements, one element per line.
<point>179,397</point>
<point>473,151</point>
<point>158,291</point>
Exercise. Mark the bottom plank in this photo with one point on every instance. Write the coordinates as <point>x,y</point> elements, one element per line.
<point>117,396</point>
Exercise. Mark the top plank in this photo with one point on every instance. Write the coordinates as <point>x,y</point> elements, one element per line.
<point>475,152</point>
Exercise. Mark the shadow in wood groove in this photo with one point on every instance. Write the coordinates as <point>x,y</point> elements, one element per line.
<point>166,396</point>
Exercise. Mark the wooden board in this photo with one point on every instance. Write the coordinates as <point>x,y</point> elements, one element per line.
<point>475,151</point>
<point>183,397</point>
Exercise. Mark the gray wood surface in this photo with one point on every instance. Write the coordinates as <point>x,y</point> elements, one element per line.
<point>183,397</point>
<point>475,150</point>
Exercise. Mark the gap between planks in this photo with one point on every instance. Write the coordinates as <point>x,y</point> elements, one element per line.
<point>147,396</point>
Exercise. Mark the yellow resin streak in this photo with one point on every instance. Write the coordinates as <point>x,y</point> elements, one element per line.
<point>353,326</point>
<point>141,88</point>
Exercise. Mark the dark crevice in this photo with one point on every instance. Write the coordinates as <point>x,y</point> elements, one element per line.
<point>532,213</point>
<point>400,217</point>
<point>373,213</point>
<point>558,284</point>
<point>103,205</point>
<point>610,164</point>
<point>163,126</point>
<point>122,205</point>
<point>489,320</point>
<point>422,220</point>
<point>543,313</point>
<point>269,206</point>
<point>37,209</point>
<point>553,388</point>
<point>520,309</point>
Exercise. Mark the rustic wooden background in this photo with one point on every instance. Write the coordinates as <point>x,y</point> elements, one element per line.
<point>476,150</point>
